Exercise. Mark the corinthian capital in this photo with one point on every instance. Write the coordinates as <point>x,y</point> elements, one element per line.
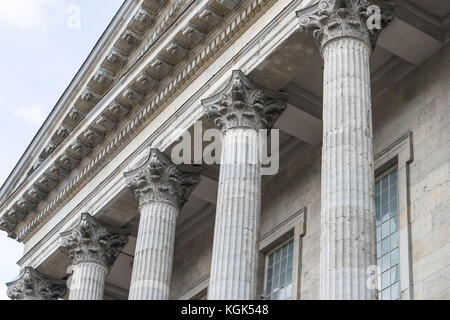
<point>244,104</point>
<point>159,180</point>
<point>32,285</point>
<point>94,241</point>
<point>361,19</point>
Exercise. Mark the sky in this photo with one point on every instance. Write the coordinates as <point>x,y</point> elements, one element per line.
<point>44,43</point>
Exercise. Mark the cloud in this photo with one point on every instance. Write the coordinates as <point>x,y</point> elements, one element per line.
<point>31,15</point>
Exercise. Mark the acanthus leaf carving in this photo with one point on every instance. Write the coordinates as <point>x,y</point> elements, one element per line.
<point>94,241</point>
<point>32,285</point>
<point>332,19</point>
<point>159,180</point>
<point>244,104</point>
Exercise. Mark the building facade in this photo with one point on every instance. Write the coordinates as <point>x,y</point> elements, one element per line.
<point>355,97</point>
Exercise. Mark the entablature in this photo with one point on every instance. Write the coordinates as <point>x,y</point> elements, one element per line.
<point>150,82</point>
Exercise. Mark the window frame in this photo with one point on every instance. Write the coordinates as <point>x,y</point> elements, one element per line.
<point>399,154</point>
<point>379,178</point>
<point>266,263</point>
<point>293,227</point>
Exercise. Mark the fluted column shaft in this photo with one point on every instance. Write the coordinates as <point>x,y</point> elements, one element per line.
<point>88,281</point>
<point>236,235</point>
<point>346,33</point>
<point>161,189</point>
<point>348,215</point>
<point>152,268</point>
<point>240,111</point>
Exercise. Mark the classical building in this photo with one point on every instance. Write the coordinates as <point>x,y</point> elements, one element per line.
<point>355,95</point>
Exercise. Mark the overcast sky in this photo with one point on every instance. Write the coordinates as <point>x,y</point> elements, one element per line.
<point>44,43</point>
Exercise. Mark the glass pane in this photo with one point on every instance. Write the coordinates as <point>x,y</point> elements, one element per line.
<point>289,292</point>
<point>385,183</point>
<point>393,192</point>
<point>276,270</point>
<point>385,280</point>
<point>393,176</point>
<point>271,260</point>
<point>289,276</point>
<point>385,230</point>
<point>275,284</point>
<point>385,262</point>
<point>385,198</point>
<point>269,274</point>
<point>385,246</point>
<point>290,260</point>
<point>386,294</point>
<point>377,202</point>
<point>283,265</point>
<point>395,274</point>
<point>284,251</point>
<point>378,234</point>
<point>394,224</point>
<point>291,247</point>
<point>282,294</point>
<point>277,255</point>
<point>378,215</point>
<point>282,280</point>
<point>385,213</point>
<point>269,288</point>
<point>395,291</point>
<point>378,250</point>
<point>394,207</point>
<point>394,257</point>
<point>394,240</point>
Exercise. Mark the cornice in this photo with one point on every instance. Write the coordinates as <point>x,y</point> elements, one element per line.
<point>19,173</point>
<point>167,89</point>
<point>105,73</point>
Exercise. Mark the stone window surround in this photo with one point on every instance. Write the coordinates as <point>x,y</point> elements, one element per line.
<point>399,153</point>
<point>293,227</point>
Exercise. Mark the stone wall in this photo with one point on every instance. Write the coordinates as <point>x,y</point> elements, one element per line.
<point>420,103</point>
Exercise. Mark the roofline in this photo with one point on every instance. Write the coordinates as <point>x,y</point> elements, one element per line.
<point>83,71</point>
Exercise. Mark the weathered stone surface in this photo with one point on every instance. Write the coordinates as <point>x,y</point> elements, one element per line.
<point>333,19</point>
<point>239,111</point>
<point>161,189</point>
<point>93,248</point>
<point>32,285</point>
<point>244,104</point>
<point>347,226</point>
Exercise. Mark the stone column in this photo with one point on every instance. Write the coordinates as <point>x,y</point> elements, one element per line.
<point>239,111</point>
<point>346,33</point>
<point>93,248</point>
<point>161,189</point>
<point>32,285</point>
